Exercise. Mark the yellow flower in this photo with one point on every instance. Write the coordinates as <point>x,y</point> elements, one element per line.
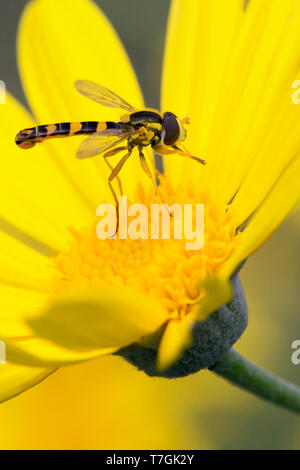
<point>67,297</point>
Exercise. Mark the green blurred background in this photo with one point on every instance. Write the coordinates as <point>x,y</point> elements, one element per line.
<point>108,404</point>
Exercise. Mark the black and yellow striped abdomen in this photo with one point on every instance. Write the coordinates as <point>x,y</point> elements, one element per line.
<point>27,138</point>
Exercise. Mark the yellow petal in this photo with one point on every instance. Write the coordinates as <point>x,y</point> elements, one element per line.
<point>36,197</point>
<point>201,36</point>
<point>83,325</point>
<point>247,127</point>
<point>38,352</point>
<point>176,338</point>
<point>278,148</point>
<point>22,345</point>
<point>218,291</point>
<point>59,43</point>
<point>22,266</point>
<point>178,333</point>
<point>100,319</point>
<point>272,139</point>
<point>254,85</point>
<point>15,379</point>
<point>272,212</point>
<point>16,305</point>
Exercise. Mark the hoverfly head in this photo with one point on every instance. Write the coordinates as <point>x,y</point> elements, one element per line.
<point>173,129</point>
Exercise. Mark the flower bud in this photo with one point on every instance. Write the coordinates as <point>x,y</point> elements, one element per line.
<point>212,338</point>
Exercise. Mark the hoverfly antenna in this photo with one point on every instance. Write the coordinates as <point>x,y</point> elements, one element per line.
<point>186,120</point>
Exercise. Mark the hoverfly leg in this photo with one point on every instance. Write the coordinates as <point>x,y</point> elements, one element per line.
<point>147,170</point>
<point>184,151</point>
<point>114,151</point>
<point>110,154</point>
<point>114,174</point>
<point>155,170</point>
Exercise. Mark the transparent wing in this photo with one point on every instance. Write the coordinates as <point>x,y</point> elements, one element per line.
<point>102,95</point>
<point>101,141</point>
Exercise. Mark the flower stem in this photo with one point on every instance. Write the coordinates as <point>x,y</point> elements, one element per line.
<point>258,381</point>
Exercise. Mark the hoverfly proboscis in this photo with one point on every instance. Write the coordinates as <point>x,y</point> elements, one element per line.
<point>164,132</point>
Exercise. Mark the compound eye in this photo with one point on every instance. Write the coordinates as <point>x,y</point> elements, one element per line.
<point>171,128</point>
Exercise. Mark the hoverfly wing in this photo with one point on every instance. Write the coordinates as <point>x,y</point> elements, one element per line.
<point>102,95</point>
<point>102,141</point>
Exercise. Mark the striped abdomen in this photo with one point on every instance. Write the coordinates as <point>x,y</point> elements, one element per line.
<point>27,138</point>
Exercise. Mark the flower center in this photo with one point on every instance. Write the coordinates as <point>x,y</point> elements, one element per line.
<point>162,268</point>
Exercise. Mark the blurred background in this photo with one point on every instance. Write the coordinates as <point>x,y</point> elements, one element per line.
<point>106,403</point>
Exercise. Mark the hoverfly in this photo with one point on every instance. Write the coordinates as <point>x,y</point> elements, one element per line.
<point>164,132</point>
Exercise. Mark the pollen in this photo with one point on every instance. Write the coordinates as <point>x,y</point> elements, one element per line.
<point>161,268</point>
